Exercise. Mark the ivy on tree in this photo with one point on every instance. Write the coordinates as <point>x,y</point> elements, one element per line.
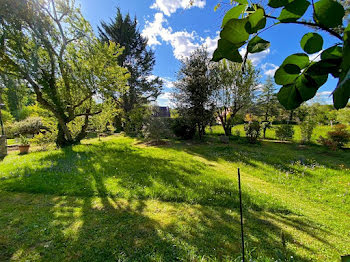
<point>299,76</point>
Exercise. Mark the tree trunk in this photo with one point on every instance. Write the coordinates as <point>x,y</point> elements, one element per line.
<point>228,130</point>
<point>61,140</point>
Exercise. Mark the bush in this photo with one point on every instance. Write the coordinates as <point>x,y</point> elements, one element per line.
<point>183,128</point>
<point>237,133</point>
<point>29,126</point>
<point>285,132</point>
<point>337,138</point>
<point>157,128</point>
<point>7,118</point>
<point>252,131</point>
<point>136,119</point>
<point>307,127</point>
<point>327,143</point>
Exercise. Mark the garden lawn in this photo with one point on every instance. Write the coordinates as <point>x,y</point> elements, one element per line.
<point>120,200</point>
<point>270,133</point>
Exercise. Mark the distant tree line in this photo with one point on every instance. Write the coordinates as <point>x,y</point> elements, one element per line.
<point>208,93</point>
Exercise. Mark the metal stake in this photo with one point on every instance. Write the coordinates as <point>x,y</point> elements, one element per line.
<point>241,211</point>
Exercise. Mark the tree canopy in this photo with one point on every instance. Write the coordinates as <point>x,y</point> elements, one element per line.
<point>50,46</point>
<point>136,57</point>
<point>234,90</point>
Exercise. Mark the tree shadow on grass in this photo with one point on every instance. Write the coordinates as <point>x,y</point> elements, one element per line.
<point>61,228</point>
<point>51,228</point>
<point>126,172</point>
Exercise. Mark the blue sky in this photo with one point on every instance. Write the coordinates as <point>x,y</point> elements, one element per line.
<point>175,29</point>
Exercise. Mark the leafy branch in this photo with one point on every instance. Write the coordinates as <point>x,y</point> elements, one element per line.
<point>300,78</point>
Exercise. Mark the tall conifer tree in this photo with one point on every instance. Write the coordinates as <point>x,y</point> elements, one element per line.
<point>136,57</point>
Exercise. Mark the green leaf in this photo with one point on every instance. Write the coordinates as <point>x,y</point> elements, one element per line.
<point>318,74</point>
<point>291,68</point>
<point>293,11</point>
<point>257,44</point>
<point>334,52</point>
<point>233,13</point>
<point>289,97</point>
<point>277,3</point>
<point>227,50</point>
<point>342,92</point>
<point>234,31</point>
<point>325,67</point>
<point>257,21</point>
<point>329,13</point>
<point>285,75</point>
<point>306,87</point>
<point>299,59</point>
<point>311,43</point>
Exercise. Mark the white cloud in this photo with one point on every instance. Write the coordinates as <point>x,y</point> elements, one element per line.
<point>269,69</point>
<point>182,42</point>
<point>256,58</point>
<point>324,97</point>
<point>167,83</point>
<point>153,29</point>
<point>170,6</point>
<point>165,99</point>
<point>324,93</point>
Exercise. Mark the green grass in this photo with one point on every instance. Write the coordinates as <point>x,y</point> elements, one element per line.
<point>11,142</point>
<point>121,200</point>
<point>270,133</point>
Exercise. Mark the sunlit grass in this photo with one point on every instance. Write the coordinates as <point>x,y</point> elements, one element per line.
<point>119,199</point>
<point>270,133</point>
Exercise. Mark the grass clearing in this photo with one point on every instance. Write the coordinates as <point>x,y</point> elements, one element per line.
<point>270,133</point>
<point>119,199</point>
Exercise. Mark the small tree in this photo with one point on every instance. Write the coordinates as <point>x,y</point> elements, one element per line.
<point>234,91</point>
<point>252,130</point>
<point>268,104</point>
<point>307,127</point>
<point>194,89</point>
<point>285,132</point>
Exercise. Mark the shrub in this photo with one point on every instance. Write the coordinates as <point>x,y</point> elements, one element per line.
<point>252,131</point>
<point>29,126</point>
<point>307,127</point>
<point>183,128</point>
<point>136,119</point>
<point>237,133</point>
<point>337,138</point>
<point>328,143</point>
<point>157,128</point>
<point>7,118</point>
<point>285,132</point>
<point>48,136</point>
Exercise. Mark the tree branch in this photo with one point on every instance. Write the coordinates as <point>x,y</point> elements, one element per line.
<point>89,114</point>
<point>312,25</point>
